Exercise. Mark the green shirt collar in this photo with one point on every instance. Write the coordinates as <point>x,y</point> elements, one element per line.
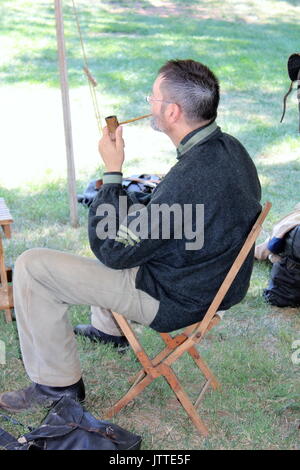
<point>197,136</point>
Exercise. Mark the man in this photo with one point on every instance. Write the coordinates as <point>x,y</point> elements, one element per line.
<point>164,281</point>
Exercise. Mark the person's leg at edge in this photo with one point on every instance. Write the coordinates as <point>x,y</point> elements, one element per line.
<point>46,282</point>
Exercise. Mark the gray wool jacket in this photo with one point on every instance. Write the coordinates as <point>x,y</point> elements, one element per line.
<point>215,174</point>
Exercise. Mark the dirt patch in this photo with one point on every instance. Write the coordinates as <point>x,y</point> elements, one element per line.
<point>162,433</point>
<point>287,311</point>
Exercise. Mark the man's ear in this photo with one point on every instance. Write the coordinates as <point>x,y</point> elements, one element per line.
<point>174,112</point>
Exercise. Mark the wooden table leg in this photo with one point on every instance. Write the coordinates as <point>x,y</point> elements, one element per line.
<point>5,289</point>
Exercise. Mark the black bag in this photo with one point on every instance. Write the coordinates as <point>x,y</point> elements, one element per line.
<point>144,184</point>
<point>292,244</point>
<point>68,426</point>
<point>284,286</point>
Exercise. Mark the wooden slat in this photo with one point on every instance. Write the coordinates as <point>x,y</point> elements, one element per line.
<point>8,273</point>
<point>175,385</point>
<point>6,230</point>
<point>130,395</point>
<point>134,343</point>
<point>201,395</point>
<point>5,218</point>
<point>204,368</point>
<point>5,215</point>
<point>6,299</point>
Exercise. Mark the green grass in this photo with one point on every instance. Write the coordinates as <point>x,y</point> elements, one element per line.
<point>247,45</point>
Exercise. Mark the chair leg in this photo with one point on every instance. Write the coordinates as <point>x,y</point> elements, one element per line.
<point>171,378</point>
<point>196,357</point>
<point>130,395</point>
<point>174,383</point>
<point>142,382</point>
<point>201,395</point>
<point>171,343</point>
<point>8,315</point>
<point>204,368</point>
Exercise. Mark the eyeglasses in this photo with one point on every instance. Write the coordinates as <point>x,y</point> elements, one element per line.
<point>150,98</point>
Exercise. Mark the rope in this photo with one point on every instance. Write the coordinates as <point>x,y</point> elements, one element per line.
<point>284,101</point>
<point>298,96</point>
<point>91,81</point>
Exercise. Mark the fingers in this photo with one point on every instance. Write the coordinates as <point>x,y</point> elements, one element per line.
<point>116,138</point>
<point>106,136</point>
<point>105,131</point>
<point>119,138</point>
<point>119,132</point>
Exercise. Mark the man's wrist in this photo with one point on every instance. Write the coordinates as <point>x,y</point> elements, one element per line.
<point>113,169</point>
<point>112,177</point>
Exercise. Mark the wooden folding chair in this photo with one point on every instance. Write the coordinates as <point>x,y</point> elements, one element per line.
<point>183,342</point>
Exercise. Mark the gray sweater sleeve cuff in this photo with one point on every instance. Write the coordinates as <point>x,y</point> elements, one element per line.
<point>112,177</point>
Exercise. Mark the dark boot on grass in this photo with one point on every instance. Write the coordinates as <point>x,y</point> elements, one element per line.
<point>97,336</point>
<point>40,395</point>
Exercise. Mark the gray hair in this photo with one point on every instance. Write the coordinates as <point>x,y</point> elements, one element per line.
<point>193,87</point>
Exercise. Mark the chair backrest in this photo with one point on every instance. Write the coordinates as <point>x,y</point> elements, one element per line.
<point>201,327</point>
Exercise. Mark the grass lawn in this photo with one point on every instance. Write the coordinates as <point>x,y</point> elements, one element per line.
<point>247,45</point>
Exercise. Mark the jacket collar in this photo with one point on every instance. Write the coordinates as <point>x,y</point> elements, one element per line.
<point>195,137</point>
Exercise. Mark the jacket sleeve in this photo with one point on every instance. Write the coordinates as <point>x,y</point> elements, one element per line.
<point>123,234</point>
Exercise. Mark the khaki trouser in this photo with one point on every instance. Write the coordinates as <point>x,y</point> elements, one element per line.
<point>46,282</point>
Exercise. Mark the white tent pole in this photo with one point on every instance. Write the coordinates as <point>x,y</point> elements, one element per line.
<point>66,111</point>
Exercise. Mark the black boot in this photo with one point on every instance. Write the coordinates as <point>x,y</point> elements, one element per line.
<point>40,395</point>
<point>90,332</point>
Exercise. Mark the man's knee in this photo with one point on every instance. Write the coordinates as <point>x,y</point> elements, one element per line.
<point>29,259</point>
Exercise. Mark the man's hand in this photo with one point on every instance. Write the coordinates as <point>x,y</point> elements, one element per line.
<point>112,151</point>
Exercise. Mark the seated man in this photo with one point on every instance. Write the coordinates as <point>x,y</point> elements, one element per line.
<point>146,269</point>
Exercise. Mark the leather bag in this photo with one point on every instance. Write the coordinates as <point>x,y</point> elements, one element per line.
<point>68,426</point>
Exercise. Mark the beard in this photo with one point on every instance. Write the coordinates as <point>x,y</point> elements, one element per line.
<point>156,125</point>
